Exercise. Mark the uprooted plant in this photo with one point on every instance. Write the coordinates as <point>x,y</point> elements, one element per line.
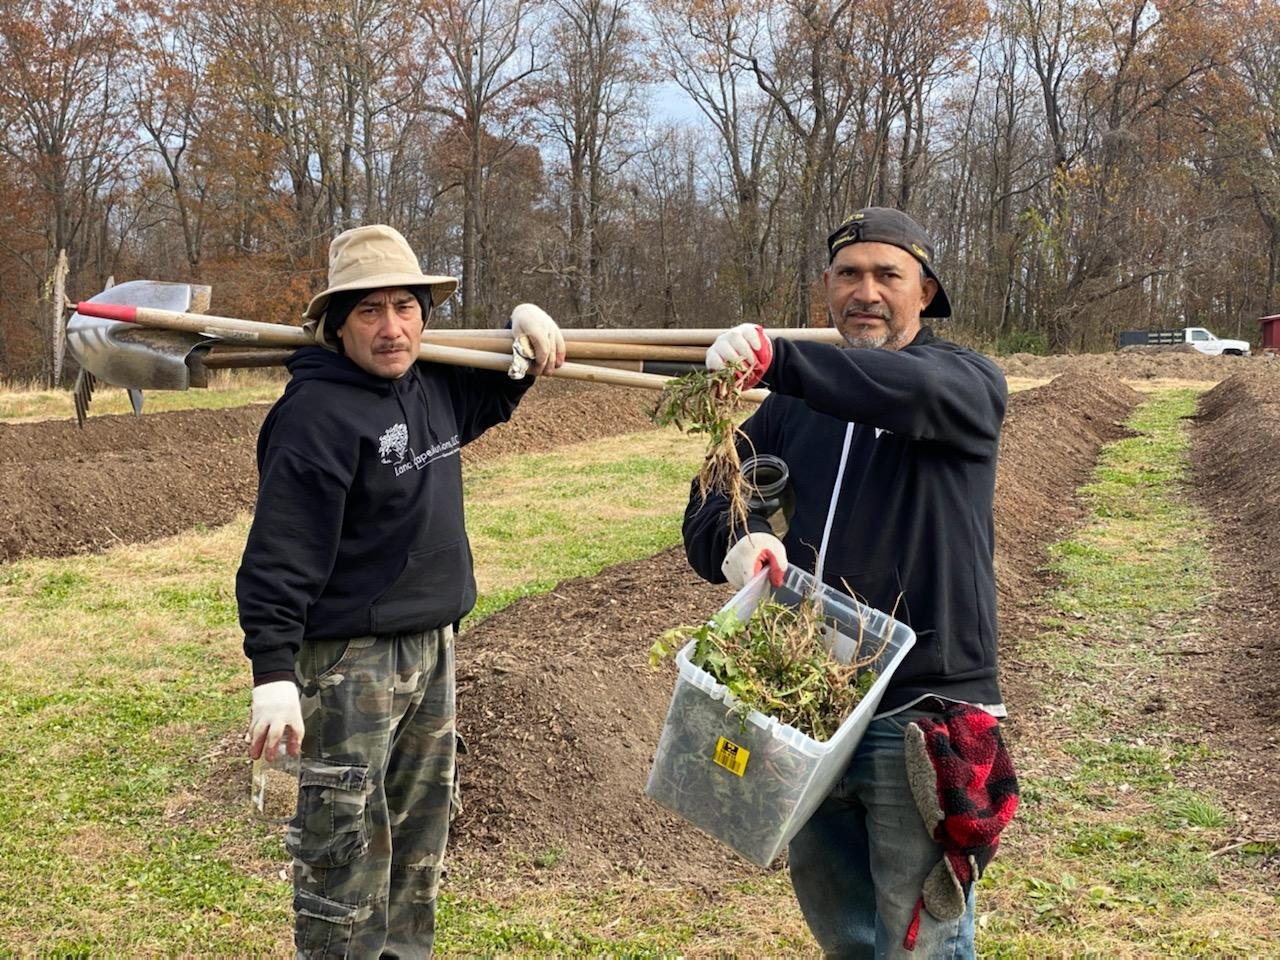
<point>707,401</point>
<point>777,663</point>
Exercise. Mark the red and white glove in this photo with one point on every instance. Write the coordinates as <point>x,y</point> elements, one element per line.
<point>275,718</point>
<point>747,344</point>
<point>750,554</point>
<point>531,323</point>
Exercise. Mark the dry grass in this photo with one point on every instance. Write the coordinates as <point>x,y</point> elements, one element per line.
<point>25,402</point>
<point>499,907</point>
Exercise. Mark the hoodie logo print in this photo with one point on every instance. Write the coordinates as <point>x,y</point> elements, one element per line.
<point>394,441</point>
<point>394,450</point>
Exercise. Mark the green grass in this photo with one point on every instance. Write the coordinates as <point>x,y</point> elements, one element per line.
<point>534,521</point>
<point>1110,855</point>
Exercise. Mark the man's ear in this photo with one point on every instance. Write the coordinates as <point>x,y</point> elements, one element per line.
<point>929,289</point>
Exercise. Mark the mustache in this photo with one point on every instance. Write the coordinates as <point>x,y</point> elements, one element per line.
<point>868,310</point>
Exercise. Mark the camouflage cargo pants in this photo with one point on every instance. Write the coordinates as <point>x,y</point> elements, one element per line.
<point>375,794</point>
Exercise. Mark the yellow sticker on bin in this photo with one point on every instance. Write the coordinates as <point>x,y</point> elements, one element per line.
<point>731,756</point>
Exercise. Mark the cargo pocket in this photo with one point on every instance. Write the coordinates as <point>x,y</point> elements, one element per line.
<point>324,927</point>
<point>455,795</point>
<point>331,826</point>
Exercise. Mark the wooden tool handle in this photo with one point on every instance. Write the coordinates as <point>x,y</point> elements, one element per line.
<point>691,337</point>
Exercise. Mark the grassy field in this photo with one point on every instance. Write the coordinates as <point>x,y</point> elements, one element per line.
<point>1111,856</point>
<point>123,694</point>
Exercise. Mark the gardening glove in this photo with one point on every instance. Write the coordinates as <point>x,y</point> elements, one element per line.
<point>275,717</point>
<point>752,552</point>
<point>532,328</point>
<point>966,790</point>
<point>746,344</point>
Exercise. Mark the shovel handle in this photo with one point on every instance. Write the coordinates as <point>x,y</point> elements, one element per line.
<point>229,329</point>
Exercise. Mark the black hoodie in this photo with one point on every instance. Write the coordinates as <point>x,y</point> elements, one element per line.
<point>359,525</point>
<point>913,532</point>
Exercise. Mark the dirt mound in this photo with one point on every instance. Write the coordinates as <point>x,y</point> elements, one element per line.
<point>562,712</point>
<point>1144,364</point>
<point>560,742</point>
<point>126,479</point>
<point>1051,439</point>
<point>1237,676</point>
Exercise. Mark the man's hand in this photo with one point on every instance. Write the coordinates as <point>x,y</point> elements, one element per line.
<point>276,717</point>
<point>754,551</point>
<point>531,323</point>
<point>746,344</point>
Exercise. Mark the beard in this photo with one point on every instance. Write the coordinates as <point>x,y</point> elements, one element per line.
<point>867,339</point>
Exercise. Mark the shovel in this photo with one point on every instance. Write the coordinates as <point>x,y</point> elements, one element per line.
<point>134,357</point>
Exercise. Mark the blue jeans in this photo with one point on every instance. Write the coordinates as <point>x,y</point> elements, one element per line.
<point>858,865</point>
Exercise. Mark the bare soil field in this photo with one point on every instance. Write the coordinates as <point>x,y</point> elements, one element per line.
<point>125,479</point>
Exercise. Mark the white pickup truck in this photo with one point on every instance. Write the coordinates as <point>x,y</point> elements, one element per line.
<point>1198,337</point>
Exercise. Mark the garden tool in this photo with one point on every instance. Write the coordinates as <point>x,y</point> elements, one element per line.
<point>147,334</point>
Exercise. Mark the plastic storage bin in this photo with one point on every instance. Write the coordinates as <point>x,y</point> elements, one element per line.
<point>753,782</point>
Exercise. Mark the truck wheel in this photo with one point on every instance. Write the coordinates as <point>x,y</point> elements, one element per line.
<point>1232,353</point>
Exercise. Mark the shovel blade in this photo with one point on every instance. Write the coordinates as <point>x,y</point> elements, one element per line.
<point>136,357</point>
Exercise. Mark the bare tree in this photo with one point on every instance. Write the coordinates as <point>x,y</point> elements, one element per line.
<point>590,91</point>
<point>699,41</point>
<point>488,53</point>
<point>63,123</point>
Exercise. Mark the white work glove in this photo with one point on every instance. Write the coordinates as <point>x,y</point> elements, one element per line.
<point>276,717</point>
<point>747,344</point>
<point>749,554</point>
<point>532,328</point>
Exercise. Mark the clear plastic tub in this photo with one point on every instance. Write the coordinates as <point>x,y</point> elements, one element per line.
<point>752,782</point>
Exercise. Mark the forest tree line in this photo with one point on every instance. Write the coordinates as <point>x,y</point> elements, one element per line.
<point>1083,165</point>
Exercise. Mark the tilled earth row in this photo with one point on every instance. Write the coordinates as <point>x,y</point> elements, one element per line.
<point>127,479</point>
<point>1233,688</point>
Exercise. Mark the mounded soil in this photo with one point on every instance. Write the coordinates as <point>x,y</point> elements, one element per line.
<point>561,710</point>
<point>1136,363</point>
<point>125,479</point>
<point>1235,665</point>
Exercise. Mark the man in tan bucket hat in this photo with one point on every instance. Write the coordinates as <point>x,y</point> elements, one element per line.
<point>356,572</point>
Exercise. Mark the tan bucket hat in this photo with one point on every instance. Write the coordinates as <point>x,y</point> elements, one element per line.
<point>370,258</point>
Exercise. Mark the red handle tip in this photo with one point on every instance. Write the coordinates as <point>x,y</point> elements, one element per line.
<point>108,311</point>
